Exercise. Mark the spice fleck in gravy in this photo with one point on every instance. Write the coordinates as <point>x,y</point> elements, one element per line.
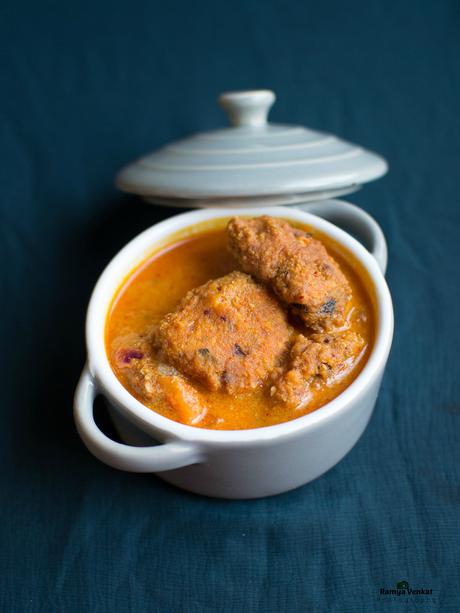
<point>186,382</point>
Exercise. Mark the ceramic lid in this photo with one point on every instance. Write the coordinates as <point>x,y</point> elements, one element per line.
<point>252,162</point>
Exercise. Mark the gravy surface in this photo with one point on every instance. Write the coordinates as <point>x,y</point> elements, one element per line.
<point>156,287</point>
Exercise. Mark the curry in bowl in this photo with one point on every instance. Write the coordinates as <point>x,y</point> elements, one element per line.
<point>248,324</point>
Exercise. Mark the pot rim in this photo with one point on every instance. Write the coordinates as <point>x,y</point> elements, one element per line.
<point>139,249</point>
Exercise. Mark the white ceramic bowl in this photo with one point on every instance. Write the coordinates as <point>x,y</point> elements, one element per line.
<point>233,463</point>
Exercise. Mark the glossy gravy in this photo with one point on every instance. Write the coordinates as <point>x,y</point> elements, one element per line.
<point>160,282</point>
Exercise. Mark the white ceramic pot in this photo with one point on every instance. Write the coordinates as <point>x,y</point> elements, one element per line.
<point>234,463</point>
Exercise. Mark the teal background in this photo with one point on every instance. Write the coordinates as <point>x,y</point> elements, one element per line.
<point>85,88</point>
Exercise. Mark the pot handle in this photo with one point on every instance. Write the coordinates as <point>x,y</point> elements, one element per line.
<point>356,221</point>
<point>157,458</point>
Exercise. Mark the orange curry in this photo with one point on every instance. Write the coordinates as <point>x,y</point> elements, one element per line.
<point>210,332</point>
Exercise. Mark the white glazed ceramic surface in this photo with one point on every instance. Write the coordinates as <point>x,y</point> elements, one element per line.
<point>250,160</point>
<point>240,463</point>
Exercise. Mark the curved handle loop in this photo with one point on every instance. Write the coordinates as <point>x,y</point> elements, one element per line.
<point>357,222</point>
<point>124,457</point>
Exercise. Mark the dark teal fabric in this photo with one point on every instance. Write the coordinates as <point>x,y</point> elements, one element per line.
<point>85,88</point>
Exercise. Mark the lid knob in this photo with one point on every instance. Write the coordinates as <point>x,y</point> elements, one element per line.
<point>247,108</point>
